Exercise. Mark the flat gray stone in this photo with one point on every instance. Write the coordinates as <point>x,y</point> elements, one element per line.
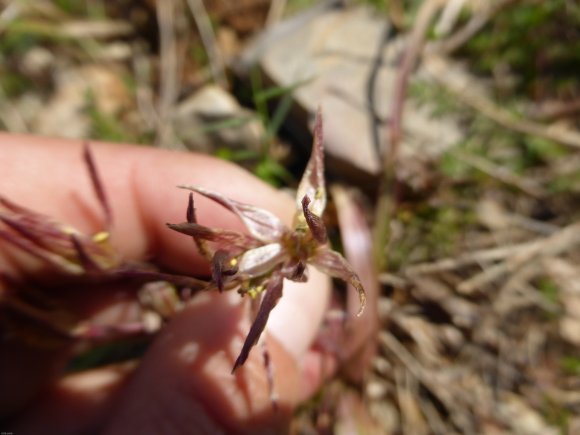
<point>343,62</point>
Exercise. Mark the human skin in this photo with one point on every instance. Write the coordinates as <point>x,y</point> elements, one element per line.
<point>183,383</point>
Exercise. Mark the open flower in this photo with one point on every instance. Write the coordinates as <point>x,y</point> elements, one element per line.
<point>257,263</point>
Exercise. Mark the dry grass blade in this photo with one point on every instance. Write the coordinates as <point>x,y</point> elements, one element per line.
<point>475,24</point>
<point>168,92</point>
<point>202,20</point>
<point>438,68</point>
<point>96,29</point>
<point>554,245</point>
<point>502,174</point>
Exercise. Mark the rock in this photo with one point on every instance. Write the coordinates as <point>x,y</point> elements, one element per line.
<point>65,113</point>
<point>211,118</point>
<point>352,79</point>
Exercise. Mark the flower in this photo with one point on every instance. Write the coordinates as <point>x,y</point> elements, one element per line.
<point>257,263</point>
<point>61,246</point>
<point>27,307</point>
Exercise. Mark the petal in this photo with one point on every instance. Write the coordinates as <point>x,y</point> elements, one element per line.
<point>269,301</point>
<point>314,222</point>
<point>295,270</point>
<point>45,255</point>
<point>39,229</point>
<point>53,242</point>
<point>335,265</point>
<point>261,224</point>
<point>97,184</point>
<point>225,237</point>
<point>259,261</point>
<point>312,183</point>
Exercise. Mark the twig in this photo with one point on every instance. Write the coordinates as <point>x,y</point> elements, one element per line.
<point>473,26</point>
<point>438,68</point>
<point>449,17</point>
<point>553,245</point>
<point>414,46</point>
<point>477,257</point>
<point>554,110</point>
<point>386,203</point>
<point>95,29</point>
<point>501,173</point>
<point>215,57</point>
<point>428,378</point>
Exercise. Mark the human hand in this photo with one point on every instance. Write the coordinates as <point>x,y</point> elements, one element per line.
<point>183,384</point>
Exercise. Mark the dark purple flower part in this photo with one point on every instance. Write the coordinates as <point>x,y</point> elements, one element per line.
<point>89,258</point>
<point>257,264</point>
<point>61,246</point>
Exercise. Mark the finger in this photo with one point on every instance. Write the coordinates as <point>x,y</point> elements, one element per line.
<point>212,330</point>
<point>78,403</point>
<point>185,381</point>
<point>48,176</point>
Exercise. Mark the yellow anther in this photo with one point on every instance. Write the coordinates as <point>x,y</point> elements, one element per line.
<point>234,262</point>
<point>101,236</point>
<point>69,230</point>
<point>253,292</point>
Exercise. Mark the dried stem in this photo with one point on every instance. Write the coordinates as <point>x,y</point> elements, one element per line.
<point>169,75</point>
<point>386,204</point>
<point>502,174</point>
<point>439,68</point>
<point>553,245</point>
<point>469,30</point>
<point>203,23</point>
<point>413,50</point>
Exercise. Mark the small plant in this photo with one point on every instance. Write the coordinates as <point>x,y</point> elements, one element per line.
<point>254,264</point>
<point>257,264</point>
<point>27,308</point>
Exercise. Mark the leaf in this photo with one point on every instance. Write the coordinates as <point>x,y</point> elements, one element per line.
<point>269,301</point>
<point>335,265</point>
<point>312,183</point>
<point>261,224</point>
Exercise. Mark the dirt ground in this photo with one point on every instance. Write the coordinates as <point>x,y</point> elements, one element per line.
<point>475,253</point>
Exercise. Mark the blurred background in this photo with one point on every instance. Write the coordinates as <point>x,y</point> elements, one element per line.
<point>451,131</point>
